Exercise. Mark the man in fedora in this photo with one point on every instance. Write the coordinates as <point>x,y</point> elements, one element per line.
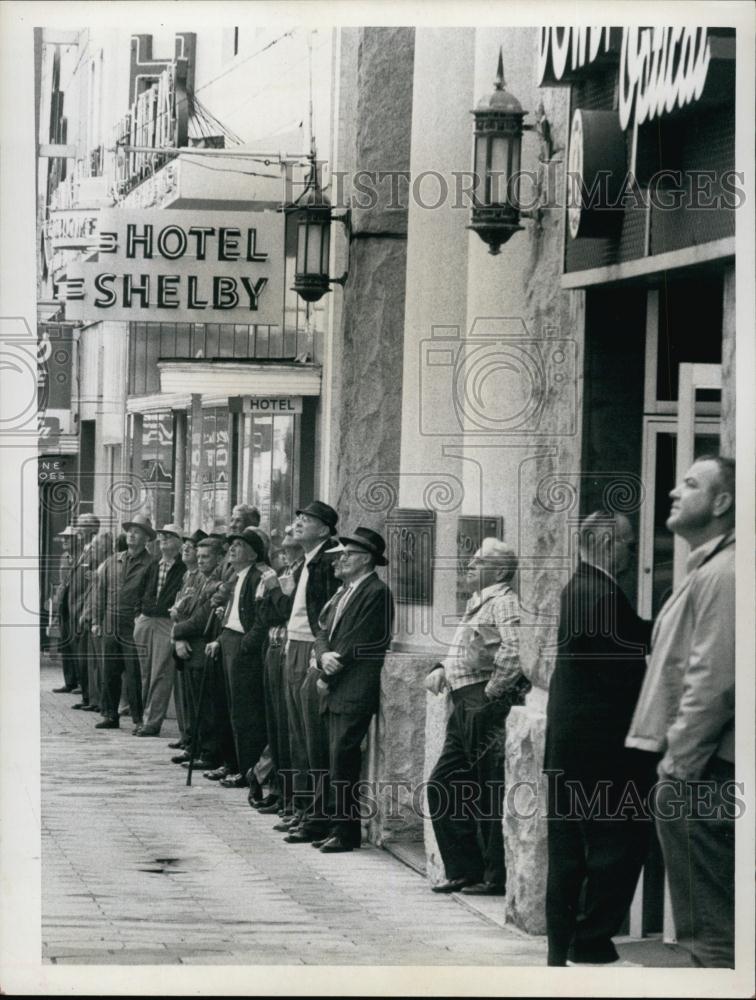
<point>311,588</point>
<point>118,590</point>
<point>349,651</point>
<point>152,631</point>
<point>242,718</point>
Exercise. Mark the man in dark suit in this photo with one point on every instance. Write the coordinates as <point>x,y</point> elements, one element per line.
<point>594,688</point>
<point>152,631</point>
<point>349,651</point>
<point>311,587</point>
<point>243,738</point>
<point>190,615</point>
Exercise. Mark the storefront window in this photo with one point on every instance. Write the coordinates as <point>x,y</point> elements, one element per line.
<point>267,479</point>
<point>157,466</point>
<point>215,466</point>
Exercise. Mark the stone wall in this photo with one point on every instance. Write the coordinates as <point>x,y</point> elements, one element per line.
<point>377,83</point>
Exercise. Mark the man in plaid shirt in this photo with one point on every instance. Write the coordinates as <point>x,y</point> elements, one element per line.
<point>482,672</point>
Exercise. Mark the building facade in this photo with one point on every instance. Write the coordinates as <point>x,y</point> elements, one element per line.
<point>444,393</point>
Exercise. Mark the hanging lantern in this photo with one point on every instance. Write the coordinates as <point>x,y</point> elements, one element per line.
<point>496,164</point>
<point>311,213</point>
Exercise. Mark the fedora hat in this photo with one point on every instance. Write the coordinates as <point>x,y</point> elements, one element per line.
<point>219,531</point>
<point>253,539</point>
<point>140,521</point>
<point>368,540</point>
<point>196,537</point>
<point>323,512</point>
<point>68,532</point>
<point>88,521</point>
<point>171,529</point>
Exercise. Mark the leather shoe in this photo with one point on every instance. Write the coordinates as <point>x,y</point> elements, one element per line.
<point>198,764</point>
<point>452,885</point>
<point>148,732</point>
<point>234,781</point>
<point>136,729</point>
<point>108,724</point>
<point>180,758</point>
<point>485,889</point>
<point>178,745</point>
<point>269,800</point>
<point>91,708</point>
<point>299,837</point>
<point>216,774</point>
<point>319,843</point>
<point>269,810</point>
<point>334,845</point>
<point>62,690</point>
<point>81,704</point>
<point>285,826</point>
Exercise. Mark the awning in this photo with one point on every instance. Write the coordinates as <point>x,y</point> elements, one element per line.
<point>239,378</point>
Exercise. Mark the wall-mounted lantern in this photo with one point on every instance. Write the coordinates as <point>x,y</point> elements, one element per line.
<point>312,215</point>
<point>498,130</point>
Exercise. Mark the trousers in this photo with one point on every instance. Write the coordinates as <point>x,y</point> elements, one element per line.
<point>297,660</point>
<point>695,822</point>
<point>466,788</point>
<point>277,721</point>
<point>591,854</point>
<point>158,669</point>
<point>246,699</point>
<point>346,732</point>
<point>120,655</point>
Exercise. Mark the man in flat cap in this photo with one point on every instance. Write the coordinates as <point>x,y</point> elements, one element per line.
<point>311,588</point>
<point>349,651</point>
<point>482,672</point>
<point>118,591</point>
<point>152,630</point>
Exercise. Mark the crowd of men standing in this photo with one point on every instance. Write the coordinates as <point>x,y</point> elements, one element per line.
<point>272,654</point>
<point>274,657</point>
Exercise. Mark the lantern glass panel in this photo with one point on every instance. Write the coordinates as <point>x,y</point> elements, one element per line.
<point>317,247</point>
<point>514,187</point>
<point>500,145</point>
<point>481,163</point>
<point>301,245</point>
<point>312,258</point>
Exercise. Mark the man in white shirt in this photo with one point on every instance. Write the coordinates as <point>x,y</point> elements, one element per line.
<point>242,735</point>
<point>313,587</point>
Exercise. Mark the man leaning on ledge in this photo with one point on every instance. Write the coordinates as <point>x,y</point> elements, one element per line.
<point>482,672</point>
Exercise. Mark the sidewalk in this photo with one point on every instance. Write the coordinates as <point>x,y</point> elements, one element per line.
<point>139,869</point>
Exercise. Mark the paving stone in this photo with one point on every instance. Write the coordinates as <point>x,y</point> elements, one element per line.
<point>236,893</point>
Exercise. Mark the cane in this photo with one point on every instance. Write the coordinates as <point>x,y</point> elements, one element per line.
<point>194,751</point>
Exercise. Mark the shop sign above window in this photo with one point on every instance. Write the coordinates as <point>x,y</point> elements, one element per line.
<point>182,266</point>
<point>661,70</point>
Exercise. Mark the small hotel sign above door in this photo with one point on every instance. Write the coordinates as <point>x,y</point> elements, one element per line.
<point>181,266</point>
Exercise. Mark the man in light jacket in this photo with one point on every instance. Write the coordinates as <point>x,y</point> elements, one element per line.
<point>686,711</point>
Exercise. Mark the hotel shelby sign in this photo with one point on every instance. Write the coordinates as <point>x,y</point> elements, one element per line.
<point>182,266</point>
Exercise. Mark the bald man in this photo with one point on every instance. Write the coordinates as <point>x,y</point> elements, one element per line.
<point>482,672</point>
<point>593,849</point>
